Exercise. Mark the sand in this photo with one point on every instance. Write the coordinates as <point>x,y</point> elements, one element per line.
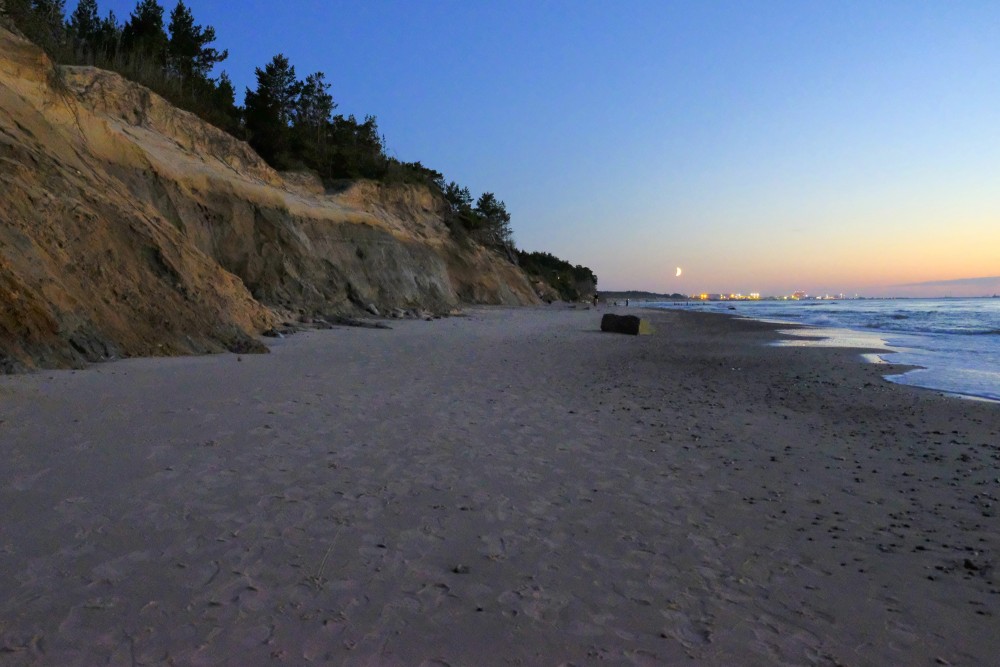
<point>511,487</point>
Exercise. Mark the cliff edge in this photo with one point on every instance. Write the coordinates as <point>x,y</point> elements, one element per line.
<point>132,228</point>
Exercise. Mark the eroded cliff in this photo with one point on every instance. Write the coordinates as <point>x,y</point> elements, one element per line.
<point>129,227</point>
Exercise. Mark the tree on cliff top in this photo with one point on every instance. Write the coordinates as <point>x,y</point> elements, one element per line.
<point>290,123</point>
<point>269,110</point>
<point>459,198</point>
<point>312,114</point>
<point>189,55</point>
<point>144,37</point>
<point>41,21</point>
<point>573,283</point>
<point>488,222</point>
<point>357,149</point>
<point>223,111</point>
<point>85,28</point>
<point>496,229</point>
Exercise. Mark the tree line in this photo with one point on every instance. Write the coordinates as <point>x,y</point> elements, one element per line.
<point>289,121</point>
<point>571,282</point>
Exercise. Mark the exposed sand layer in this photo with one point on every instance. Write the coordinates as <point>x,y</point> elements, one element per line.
<point>131,228</point>
<point>512,487</point>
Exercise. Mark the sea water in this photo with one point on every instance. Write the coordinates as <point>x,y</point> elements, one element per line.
<point>954,342</point>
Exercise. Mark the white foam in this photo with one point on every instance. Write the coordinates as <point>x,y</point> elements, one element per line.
<point>824,337</point>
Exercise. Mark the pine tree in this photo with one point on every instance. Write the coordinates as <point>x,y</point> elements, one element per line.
<point>458,197</point>
<point>18,12</point>
<point>109,38</point>
<point>311,125</point>
<point>189,55</point>
<point>85,29</point>
<point>357,149</point>
<point>41,21</point>
<point>143,37</point>
<point>496,220</point>
<point>315,104</point>
<point>51,17</point>
<point>225,113</point>
<point>270,110</point>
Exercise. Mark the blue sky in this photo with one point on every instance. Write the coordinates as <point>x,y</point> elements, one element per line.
<point>764,147</point>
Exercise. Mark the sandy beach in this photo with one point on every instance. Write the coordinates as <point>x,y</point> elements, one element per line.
<point>512,487</point>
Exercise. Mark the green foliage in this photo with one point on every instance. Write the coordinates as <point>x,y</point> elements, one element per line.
<point>572,283</point>
<point>51,19</point>
<point>175,66</point>
<point>357,149</point>
<point>311,119</point>
<point>488,221</point>
<point>223,112</point>
<point>463,220</point>
<point>85,27</point>
<point>413,172</point>
<point>41,21</point>
<point>315,104</point>
<point>312,114</point>
<point>90,39</point>
<point>269,111</point>
<point>144,37</point>
<point>189,55</point>
<point>459,198</point>
<point>109,40</point>
<point>290,123</point>
<point>494,229</point>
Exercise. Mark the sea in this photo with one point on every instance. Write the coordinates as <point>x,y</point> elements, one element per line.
<point>955,343</point>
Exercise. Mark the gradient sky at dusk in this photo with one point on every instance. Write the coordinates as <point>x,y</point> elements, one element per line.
<point>762,146</point>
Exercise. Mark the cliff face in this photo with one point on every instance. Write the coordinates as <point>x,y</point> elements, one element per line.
<point>129,227</point>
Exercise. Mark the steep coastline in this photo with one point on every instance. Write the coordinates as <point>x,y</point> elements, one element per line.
<point>131,228</point>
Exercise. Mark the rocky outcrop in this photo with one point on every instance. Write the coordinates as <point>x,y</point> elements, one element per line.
<point>130,227</point>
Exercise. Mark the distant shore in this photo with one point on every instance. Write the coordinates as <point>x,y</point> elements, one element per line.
<point>510,486</point>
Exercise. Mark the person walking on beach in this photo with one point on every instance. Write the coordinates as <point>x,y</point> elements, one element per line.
<point>626,303</point>
<point>595,300</point>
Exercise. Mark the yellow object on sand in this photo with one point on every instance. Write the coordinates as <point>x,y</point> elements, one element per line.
<point>645,328</point>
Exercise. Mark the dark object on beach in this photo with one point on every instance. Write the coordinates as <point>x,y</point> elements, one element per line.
<point>623,324</point>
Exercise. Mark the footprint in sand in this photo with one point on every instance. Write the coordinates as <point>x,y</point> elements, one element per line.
<point>691,633</point>
<point>534,602</point>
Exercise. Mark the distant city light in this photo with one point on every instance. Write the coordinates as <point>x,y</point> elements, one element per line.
<point>756,296</point>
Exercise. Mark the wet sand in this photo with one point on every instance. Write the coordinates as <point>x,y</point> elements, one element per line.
<point>511,487</point>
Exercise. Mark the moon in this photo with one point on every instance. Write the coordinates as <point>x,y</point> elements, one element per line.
<point>678,271</point>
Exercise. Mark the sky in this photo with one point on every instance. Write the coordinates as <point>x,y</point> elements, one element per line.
<point>830,147</point>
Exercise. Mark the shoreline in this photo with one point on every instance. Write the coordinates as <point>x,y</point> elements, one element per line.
<point>844,336</point>
<point>508,486</point>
